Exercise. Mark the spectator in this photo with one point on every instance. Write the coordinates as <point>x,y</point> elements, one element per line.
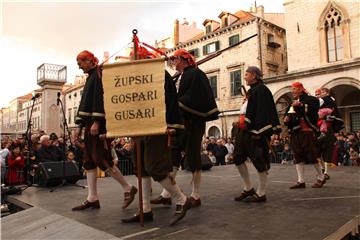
<point>354,157</point>
<point>49,152</point>
<point>70,157</point>
<point>4,153</point>
<point>125,163</point>
<point>16,164</point>
<point>286,155</point>
<point>204,144</point>
<point>212,157</point>
<point>220,151</point>
<point>230,148</point>
<point>353,141</point>
<point>342,147</point>
<point>211,146</point>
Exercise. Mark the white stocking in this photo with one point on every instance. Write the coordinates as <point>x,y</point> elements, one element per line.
<point>146,193</point>
<point>244,173</point>
<point>165,193</point>
<point>261,190</point>
<point>91,180</point>
<point>320,176</point>
<point>300,168</point>
<point>174,190</point>
<point>196,185</point>
<point>117,175</point>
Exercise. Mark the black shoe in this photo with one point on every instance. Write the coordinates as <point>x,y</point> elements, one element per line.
<point>298,185</point>
<point>161,200</point>
<point>256,198</point>
<point>180,212</point>
<point>327,177</point>
<point>86,205</point>
<point>195,202</point>
<point>319,183</point>
<point>129,197</point>
<point>148,217</point>
<point>245,194</point>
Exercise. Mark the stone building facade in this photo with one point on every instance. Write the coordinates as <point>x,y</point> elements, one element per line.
<point>267,50</point>
<point>323,49</point>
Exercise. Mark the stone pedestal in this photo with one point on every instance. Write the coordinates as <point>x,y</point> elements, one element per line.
<point>51,78</point>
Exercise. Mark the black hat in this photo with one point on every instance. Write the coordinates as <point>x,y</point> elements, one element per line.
<point>256,70</point>
<point>53,136</point>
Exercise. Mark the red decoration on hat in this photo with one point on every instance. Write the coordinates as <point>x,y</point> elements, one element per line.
<point>299,86</point>
<point>186,55</point>
<point>86,55</point>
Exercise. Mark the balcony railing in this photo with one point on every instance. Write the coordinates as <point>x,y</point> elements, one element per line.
<point>52,72</point>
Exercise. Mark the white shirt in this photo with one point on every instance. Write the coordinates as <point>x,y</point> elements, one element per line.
<point>243,107</point>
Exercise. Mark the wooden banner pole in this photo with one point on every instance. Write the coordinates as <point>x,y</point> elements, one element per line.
<point>138,147</point>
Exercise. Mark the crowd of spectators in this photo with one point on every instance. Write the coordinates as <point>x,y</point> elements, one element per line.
<point>346,153</point>
<point>18,157</point>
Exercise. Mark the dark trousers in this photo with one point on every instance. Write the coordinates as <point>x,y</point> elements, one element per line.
<point>304,146</point>
<point>97,152</point>
<point>195,130</point>
<point>248,145</point>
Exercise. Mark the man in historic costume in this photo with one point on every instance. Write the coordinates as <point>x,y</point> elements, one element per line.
<point>176,131</point>
<point>329,123</point>
<point>91,116</point>
<point>258,121</point>
<point>301,119</point>
<point>197,103</point>
<point>157,160</point>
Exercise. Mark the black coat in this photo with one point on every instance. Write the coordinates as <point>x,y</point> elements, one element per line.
<point>309,112</point>
<point>50,154</point>
<point>174,118</point>
<point>195,95</point>
<point>261,115</point>
<point>92,101</point>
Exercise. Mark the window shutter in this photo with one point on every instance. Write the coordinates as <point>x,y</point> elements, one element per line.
<point>217,45</point>
<point>196,52</point>
<point>205,50</point>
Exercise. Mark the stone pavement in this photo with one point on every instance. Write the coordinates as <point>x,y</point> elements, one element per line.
<point>288,214</point>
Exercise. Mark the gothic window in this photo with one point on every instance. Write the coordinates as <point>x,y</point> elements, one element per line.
<point>334,36</point>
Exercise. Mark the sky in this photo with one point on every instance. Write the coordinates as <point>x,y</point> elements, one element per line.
<point>37,32</point>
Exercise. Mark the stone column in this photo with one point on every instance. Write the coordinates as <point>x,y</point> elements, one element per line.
<point>51,78</point>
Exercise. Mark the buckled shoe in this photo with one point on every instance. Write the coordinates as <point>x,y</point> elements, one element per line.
<point>86,205</point>
<point>245,194</point>
<point>161,200</point>
<point>180,212</point>
<point>129,197</point>
<point>148,217</point>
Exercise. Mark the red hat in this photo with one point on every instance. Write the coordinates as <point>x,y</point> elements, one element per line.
<point>299,86</point>
<point>142,53</point>
<point>86,55</point>
<point>184,54</point>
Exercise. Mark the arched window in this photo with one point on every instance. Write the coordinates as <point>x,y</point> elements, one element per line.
<point>334,30</point>
<point>334,36</point>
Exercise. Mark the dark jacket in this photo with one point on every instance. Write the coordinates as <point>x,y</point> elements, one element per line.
<point>195,95</point>
<point>309,112</point>
<point>261,115</point>
<point>337,122</point>
<point>50,154</point>
<point>92,102</point>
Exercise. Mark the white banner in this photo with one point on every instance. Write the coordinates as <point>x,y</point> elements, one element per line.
<point>134,98</point>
